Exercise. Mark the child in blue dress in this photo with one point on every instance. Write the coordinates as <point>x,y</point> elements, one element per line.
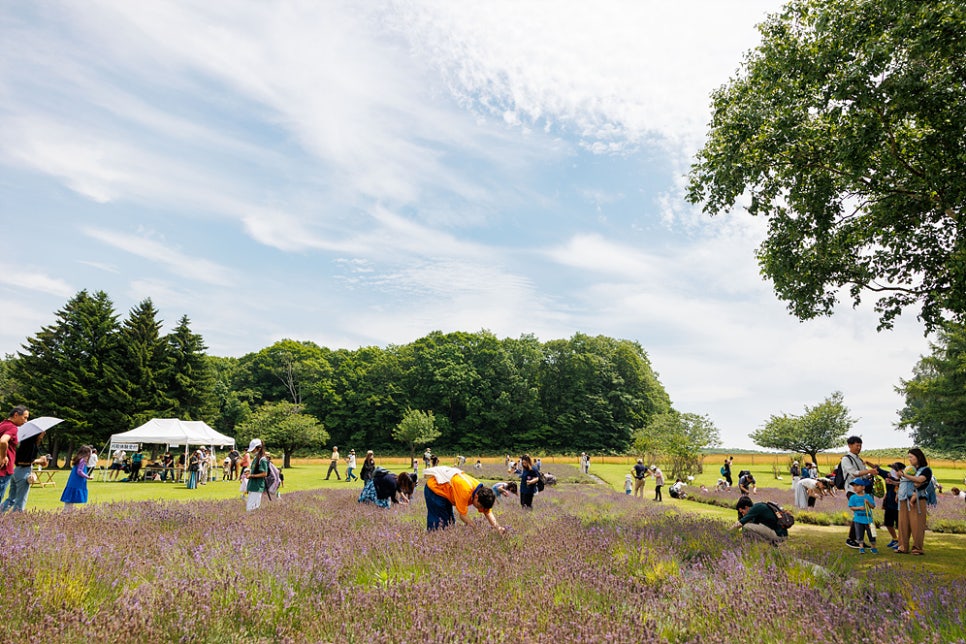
<point>861,504</point>
<point>76,489</point>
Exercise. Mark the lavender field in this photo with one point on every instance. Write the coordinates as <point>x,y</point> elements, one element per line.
<point>587,565</point>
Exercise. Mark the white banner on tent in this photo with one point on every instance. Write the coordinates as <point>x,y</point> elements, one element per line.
<point>127,447</point>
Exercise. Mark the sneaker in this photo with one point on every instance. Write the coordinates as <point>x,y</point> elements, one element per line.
<point>874,551</point>
<point>852,543</point>
<point>893,544</point>
<point>865,545</point>
<point>861,551</point>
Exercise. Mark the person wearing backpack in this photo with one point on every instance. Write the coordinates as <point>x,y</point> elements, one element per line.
<point>759,521</point>
<point>854,467</point>
<point>914,495</point>
<point>640,476</point>
<point>257,472</point>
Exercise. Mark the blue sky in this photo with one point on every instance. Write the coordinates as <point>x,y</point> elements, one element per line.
<point>364,173</point>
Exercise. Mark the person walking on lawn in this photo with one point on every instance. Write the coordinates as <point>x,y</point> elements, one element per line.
<point>333,464</point>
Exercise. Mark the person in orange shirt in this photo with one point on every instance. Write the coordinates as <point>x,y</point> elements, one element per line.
<point>449,487</point>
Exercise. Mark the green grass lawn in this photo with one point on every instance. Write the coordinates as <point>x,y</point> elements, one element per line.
<point>301,476</point>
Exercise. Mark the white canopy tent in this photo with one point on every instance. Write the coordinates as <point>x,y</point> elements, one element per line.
<point>173,432</point>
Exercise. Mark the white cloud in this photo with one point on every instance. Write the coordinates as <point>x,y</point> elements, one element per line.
<point>175,261</point>
<point>409,166</point>
<point>31,280</point>
<point>613,72</point>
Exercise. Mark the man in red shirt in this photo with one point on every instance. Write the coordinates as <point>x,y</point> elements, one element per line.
<point>8,444</point>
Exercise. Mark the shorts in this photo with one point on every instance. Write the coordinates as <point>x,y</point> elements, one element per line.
<point>891,518</point>
<point>116,466</point>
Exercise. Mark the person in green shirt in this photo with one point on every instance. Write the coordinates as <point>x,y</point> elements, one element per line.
<point>258,470</point>
<point>757,520</point>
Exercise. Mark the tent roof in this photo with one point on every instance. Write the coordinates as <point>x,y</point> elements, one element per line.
<point>172,431</point>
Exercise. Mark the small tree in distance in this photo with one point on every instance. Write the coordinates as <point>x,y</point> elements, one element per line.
<point>416,428</point>
<point>283,427</point>
<point>822,427</point>
<point>678,438</point>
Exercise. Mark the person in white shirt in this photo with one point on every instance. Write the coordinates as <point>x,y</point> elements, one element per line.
<point>350,467</point>
<point>92,462</point>
<point>117,463</point>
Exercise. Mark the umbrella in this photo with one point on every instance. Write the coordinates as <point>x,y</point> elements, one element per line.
<point>35,426</point>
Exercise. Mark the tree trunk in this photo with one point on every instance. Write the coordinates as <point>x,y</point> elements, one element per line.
<point>54,453</point>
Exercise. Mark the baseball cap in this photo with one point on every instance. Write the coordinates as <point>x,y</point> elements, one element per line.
<point>255,444</point>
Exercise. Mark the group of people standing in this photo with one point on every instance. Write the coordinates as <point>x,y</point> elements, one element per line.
<point>638,475</point>
<point>909,491</point>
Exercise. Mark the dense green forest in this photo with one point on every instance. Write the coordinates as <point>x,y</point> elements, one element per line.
<point>104,375</point>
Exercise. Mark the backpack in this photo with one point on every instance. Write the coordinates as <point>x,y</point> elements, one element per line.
<point>838,478</point>
<point>541,481</point>
<point>785,518</point>
<point>273,478</point>
<point>724,471</point>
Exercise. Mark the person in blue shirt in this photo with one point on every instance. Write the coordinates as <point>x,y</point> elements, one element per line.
<point>861,504</point>
<point>528,481</point>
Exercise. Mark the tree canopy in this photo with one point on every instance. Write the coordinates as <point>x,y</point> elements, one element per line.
<point>846,128</point>
<point>935,408</point>
<point>822,427</point>
<point>487,395</point>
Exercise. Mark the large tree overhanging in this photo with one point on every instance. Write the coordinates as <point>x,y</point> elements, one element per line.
<point>847,127</point>
<point>935,408</point>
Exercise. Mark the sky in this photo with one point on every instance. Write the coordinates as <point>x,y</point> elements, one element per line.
<point>360,174</point>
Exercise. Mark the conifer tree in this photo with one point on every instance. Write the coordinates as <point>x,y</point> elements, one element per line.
<point>71,370</point>
<point>189,379</point>
<point>144,358</point>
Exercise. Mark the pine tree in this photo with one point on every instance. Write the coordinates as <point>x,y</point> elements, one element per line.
<point>144,358</point>
<point>189,379</point>
<point>71,370</point>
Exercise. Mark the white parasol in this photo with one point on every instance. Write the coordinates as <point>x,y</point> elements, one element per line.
<point>35,426</point>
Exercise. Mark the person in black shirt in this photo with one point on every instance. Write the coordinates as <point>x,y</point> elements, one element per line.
<point>640,475</point>
<point>233,456</point>
<point>368,467</point>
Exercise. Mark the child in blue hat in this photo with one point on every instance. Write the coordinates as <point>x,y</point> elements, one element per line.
<point>861,504</point>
